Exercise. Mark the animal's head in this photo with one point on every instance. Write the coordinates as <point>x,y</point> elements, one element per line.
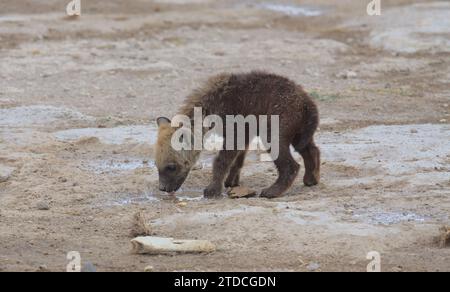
<point>173,165</point>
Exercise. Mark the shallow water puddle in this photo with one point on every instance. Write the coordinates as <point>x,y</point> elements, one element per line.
<point>151,197</point>
<point>132,199</point>
<point>185,195</point>
<point>292,10</point>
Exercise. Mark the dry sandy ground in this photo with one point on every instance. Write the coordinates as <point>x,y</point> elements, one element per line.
<point>78,99</point>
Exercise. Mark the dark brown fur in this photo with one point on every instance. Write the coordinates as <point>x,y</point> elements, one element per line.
<point>255,93</point>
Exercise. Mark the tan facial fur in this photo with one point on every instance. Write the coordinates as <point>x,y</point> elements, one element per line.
<point>173,166</point>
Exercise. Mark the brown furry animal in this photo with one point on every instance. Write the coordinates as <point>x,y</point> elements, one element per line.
<point>255,93</point>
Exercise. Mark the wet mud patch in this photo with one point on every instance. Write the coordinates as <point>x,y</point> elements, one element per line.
<point>152,197</point>
<point>124,199</point>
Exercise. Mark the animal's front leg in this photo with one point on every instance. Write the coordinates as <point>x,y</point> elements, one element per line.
<point>235,171</point>
<point>221,168</point>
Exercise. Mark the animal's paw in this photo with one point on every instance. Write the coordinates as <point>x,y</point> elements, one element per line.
<point>213,192</point>
<point>271,193</point>
<point>310,180</point>
<point>232,182</point>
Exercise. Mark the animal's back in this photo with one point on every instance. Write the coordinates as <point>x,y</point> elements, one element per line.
<point>255,93</point>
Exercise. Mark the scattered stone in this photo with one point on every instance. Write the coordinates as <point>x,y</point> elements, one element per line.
<point>219,53</point>
<point>149,269</point>
<point>159,245</point>
<point>43,269</point>
<point>414,131</point>
<point>443,121</point>
<point>349,212</point>
<point>241,192</point>
<point>182,204</point>
<point>398,269</point>
<point>5,173</point>
<point>140,226</point>
<point>43,206</point>
<point>313,267</point>
<point>347,75</point>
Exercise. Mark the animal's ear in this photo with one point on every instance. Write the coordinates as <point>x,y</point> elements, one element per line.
<point>163,121</point>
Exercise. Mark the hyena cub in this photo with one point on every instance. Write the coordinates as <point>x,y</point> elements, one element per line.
<point>255,93</point>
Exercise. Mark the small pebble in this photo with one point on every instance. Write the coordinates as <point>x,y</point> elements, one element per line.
<point>347,75</point>
<point>43,269</point>
<point>43,206</point>
<point>149,269</point>
<point>182,204</point>
<point>241,192</point>
<point>313,267</point>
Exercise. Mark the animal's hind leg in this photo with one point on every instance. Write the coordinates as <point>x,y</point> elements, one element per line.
<point>311,157</point>
<point>287,172</point>
<point>235,171</point>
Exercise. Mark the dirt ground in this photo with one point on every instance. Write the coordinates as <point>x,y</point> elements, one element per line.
<point>78,100</point>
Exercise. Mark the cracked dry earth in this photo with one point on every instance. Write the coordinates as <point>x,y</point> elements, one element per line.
<point>78,100</point>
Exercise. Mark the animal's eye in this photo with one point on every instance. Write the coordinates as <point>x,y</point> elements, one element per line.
<point>171,167</point>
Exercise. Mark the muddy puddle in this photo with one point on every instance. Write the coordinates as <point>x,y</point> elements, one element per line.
<point>150,197</point>
<point>120,200</point>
